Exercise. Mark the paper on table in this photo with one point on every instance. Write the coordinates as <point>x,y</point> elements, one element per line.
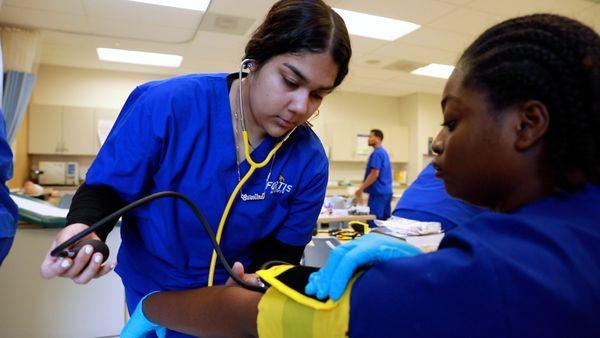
<point>403,227</point>
<point>39,208</point>
<point>104,127</point>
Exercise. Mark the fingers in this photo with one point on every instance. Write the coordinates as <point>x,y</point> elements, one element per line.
<point>238,270</point>
<point>55,267</point>
<point>341,276</point>
<point>252,278</point>
<point>336,257</point>
<point>79,262</point>
<point>93,270</point>
<point>51,267</point>
<point>311,287</point>
<point>81,269</point>
<point>161,332</point>
<point>319,282</point>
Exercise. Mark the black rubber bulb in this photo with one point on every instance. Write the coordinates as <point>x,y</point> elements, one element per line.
<point>98,246</point>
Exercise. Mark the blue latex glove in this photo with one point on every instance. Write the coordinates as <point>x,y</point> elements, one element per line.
<point>331,280</point>
<point>138,325</point>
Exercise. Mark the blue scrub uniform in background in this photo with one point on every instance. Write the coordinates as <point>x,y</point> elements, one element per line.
<point>426,200</point>
<point>531,273</point>
<point>380,192</point>
<point>177,134</point>
<point>8,208</point>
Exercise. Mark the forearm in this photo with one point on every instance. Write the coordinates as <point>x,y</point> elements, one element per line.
<point>92,203</point>
<point>371,178</point>
<point>219,311</point>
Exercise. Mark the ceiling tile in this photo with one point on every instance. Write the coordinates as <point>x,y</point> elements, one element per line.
<point>404,51</point>
<point>361,45</point>
<point>218,46</point>
<point>465,21</point>
<point>136,12</point>
<point>590,16</point>
<point>42,19</point>
<point>420,12</point>
<point>246,8</point>
<point>356,83</point>
<point>58,6</point>
<point>457,2</point>
<point>123,29</point>
<point>439,39</point>
<point>372,72</point>
<point>512,8</point>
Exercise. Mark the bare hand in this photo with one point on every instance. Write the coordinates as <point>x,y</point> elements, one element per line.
<point>358,196</point>
<point>86,266</point>
<point>238,270</point>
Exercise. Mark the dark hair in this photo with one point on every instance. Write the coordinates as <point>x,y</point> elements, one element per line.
<point>298,26</point>
<point>377,133</point>
<point>555,60</point>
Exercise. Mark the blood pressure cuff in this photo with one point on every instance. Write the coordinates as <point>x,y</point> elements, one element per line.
<point>286,312</point>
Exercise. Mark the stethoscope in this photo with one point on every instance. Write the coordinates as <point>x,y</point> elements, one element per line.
<point>63,249</point>
<point>253,166</point>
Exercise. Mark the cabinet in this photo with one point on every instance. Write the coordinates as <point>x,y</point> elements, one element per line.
<point>56,308</point>
<point>102,115</point>
<point>61,130</point>
<point>65,130</point>
<point>342,138</point>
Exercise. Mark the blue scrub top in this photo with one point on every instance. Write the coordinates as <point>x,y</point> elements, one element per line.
<point>8,208</point>
<point>426,200</point>
<point>177,134</point>
<point>380,160</point>
<point>531,273</point>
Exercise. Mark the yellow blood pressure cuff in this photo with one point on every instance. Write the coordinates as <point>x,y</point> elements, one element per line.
<point>286,312</point>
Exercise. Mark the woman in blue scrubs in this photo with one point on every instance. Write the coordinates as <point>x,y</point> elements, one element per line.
<point>183,134</point>
<point>520,137</point>
<point>8,208</point>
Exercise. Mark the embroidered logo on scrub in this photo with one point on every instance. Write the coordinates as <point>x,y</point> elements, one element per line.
<point>279,186</point>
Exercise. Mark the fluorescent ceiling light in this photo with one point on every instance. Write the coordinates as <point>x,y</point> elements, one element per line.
<point>376,27</point>
<point>434,70</point>
<point>195,5</point>
<point>142,58</point>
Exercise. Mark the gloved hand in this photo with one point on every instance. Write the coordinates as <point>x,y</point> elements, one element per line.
<point>138,325</point>
<point>331,280</point>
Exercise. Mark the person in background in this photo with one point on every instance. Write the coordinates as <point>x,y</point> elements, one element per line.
<point>528,267</point>
<point>185,134</point>
<point>8,208</point>
<point>426,200</point>
<point>378,179</point>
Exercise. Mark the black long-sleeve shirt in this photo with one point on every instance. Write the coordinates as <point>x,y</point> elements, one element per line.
<point>92,203</point>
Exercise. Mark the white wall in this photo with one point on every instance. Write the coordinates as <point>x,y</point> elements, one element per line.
<point>108,89</point>
<point>421,113</point>
<point>85,87</point>
<point>409,108</point>
<point>430,120</point>
<point>371,111</point>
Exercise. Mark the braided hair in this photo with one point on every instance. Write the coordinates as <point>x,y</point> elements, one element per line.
<point>555,60</point>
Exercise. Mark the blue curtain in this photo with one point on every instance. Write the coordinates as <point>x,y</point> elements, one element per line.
<point>18,87</point>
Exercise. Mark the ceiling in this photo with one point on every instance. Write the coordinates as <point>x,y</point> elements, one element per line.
<point>71,30</point>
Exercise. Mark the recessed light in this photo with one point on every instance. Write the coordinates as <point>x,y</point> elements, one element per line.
<point>376,27</point>
<point>141,58</point>
<point>194,5</point>
<point>435,70</point>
